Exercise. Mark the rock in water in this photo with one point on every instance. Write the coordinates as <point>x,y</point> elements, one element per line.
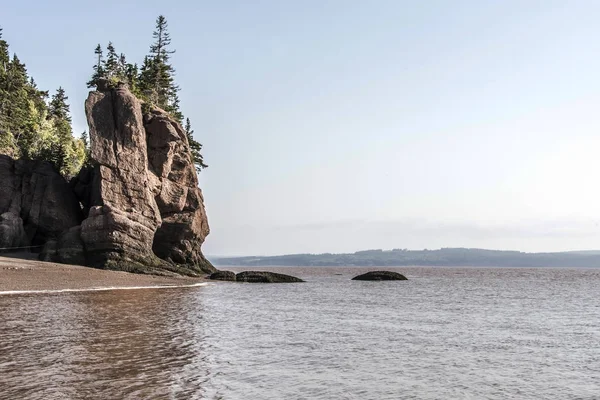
<point>175,185</point>
<point>380,276</point>
<point>223,276</point>
<point>265,277</point>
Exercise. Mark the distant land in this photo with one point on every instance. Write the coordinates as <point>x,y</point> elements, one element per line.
<point>441,257</point>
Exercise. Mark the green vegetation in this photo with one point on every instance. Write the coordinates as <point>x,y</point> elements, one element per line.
<point>441,257</point>
<point>34,127</point>
<point>195,147</point>
<point>153,82</point>
<point>30,127</point>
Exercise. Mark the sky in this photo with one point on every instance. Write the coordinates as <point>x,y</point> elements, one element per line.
<point>341,125</point>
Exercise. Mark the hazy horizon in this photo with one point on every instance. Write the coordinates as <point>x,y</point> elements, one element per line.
<point>340,126</point>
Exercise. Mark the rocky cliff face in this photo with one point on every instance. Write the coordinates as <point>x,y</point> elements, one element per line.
<point>175,186</point>
<point>36,203</point>
<point>143,209</point>
<point>123,216</point>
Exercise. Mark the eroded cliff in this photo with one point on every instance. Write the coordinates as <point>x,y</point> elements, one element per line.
<point>136,208</point>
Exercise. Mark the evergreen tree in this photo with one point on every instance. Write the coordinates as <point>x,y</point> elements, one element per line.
<point>195,147</point>
<point>29,127</point>
<point>85,139</point>
<point>84,144</point>
<point>58,107</point>
<point>157,82</point>
<point>131,76</point>
<point>98,68</point>
<point>111,66</point>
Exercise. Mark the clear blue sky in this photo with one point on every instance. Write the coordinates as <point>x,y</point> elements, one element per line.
<point>342,125</point>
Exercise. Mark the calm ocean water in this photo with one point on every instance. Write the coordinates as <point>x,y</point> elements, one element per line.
<point>447,333</point>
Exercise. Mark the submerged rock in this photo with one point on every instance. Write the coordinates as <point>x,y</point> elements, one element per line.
<point>223,276</point>
<point>380,276</point>
<point>265,277</point>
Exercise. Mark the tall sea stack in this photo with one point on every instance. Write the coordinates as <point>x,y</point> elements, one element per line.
<point>145,210</point>
<point>136,207</point>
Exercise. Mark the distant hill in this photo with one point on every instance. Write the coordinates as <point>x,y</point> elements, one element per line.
<point>441,257</point>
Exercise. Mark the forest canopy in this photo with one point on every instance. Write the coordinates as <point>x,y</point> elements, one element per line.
<point>32,125</point>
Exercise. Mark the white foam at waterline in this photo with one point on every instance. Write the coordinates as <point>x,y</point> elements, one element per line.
<point>100,289</point>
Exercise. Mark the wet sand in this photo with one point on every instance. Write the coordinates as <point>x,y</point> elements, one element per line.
<point>18,274</point>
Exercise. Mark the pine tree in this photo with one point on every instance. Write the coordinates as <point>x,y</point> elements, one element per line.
<point>157,74</point>
<point>29,127</point>
<point>195,147</point>
<point>58,107</point>
<point>4,55</point>
<point>111,66</point>
<point>85,139</point>
<point>131,76</point>
<point>85,144</point>
<point>98,68</point>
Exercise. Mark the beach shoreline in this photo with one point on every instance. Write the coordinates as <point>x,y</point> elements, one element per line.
<point>22,275</point>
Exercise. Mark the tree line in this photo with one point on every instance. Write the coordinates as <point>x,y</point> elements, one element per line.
<point>32,126</point>
<point>37,126</point>
<point>153,82</point>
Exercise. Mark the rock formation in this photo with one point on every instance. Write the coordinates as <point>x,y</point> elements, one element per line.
<point>223,276</point>
<point>36,203</point>
<point>175,186</point>
<point>380,276</point>
<point>136,208</point>
<point>265,277</point>
<point>123,216</point>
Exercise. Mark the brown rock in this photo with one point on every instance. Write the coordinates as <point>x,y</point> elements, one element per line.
<point>123,217</point>
<point>12,233</point>
<point>184,222</point>
<point>38,199</point>
<point>223,276</point>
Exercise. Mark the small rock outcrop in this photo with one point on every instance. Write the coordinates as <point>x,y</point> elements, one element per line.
<point>265,277</point>
<point>223,276</point>
<point>380,276</point>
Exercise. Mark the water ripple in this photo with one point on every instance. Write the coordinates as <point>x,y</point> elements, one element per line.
<point>469,333</point>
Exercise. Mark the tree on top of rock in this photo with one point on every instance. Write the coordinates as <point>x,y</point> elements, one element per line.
<point>111,65</point>
<point>195,147</point>
<point>157,82</point>
<point>98,68</point>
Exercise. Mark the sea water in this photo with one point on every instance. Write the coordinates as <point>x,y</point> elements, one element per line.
<point>446,333</point>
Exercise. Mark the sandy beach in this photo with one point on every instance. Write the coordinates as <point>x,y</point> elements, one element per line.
<point>18,274</point>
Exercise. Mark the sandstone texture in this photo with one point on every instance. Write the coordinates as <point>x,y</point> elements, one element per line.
<point>179,199</point>
<point>136,207</point>
<point>36,203</point>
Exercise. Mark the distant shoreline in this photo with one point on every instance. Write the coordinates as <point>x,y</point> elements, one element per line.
<point>445,257</point>
<point>22,276</point>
